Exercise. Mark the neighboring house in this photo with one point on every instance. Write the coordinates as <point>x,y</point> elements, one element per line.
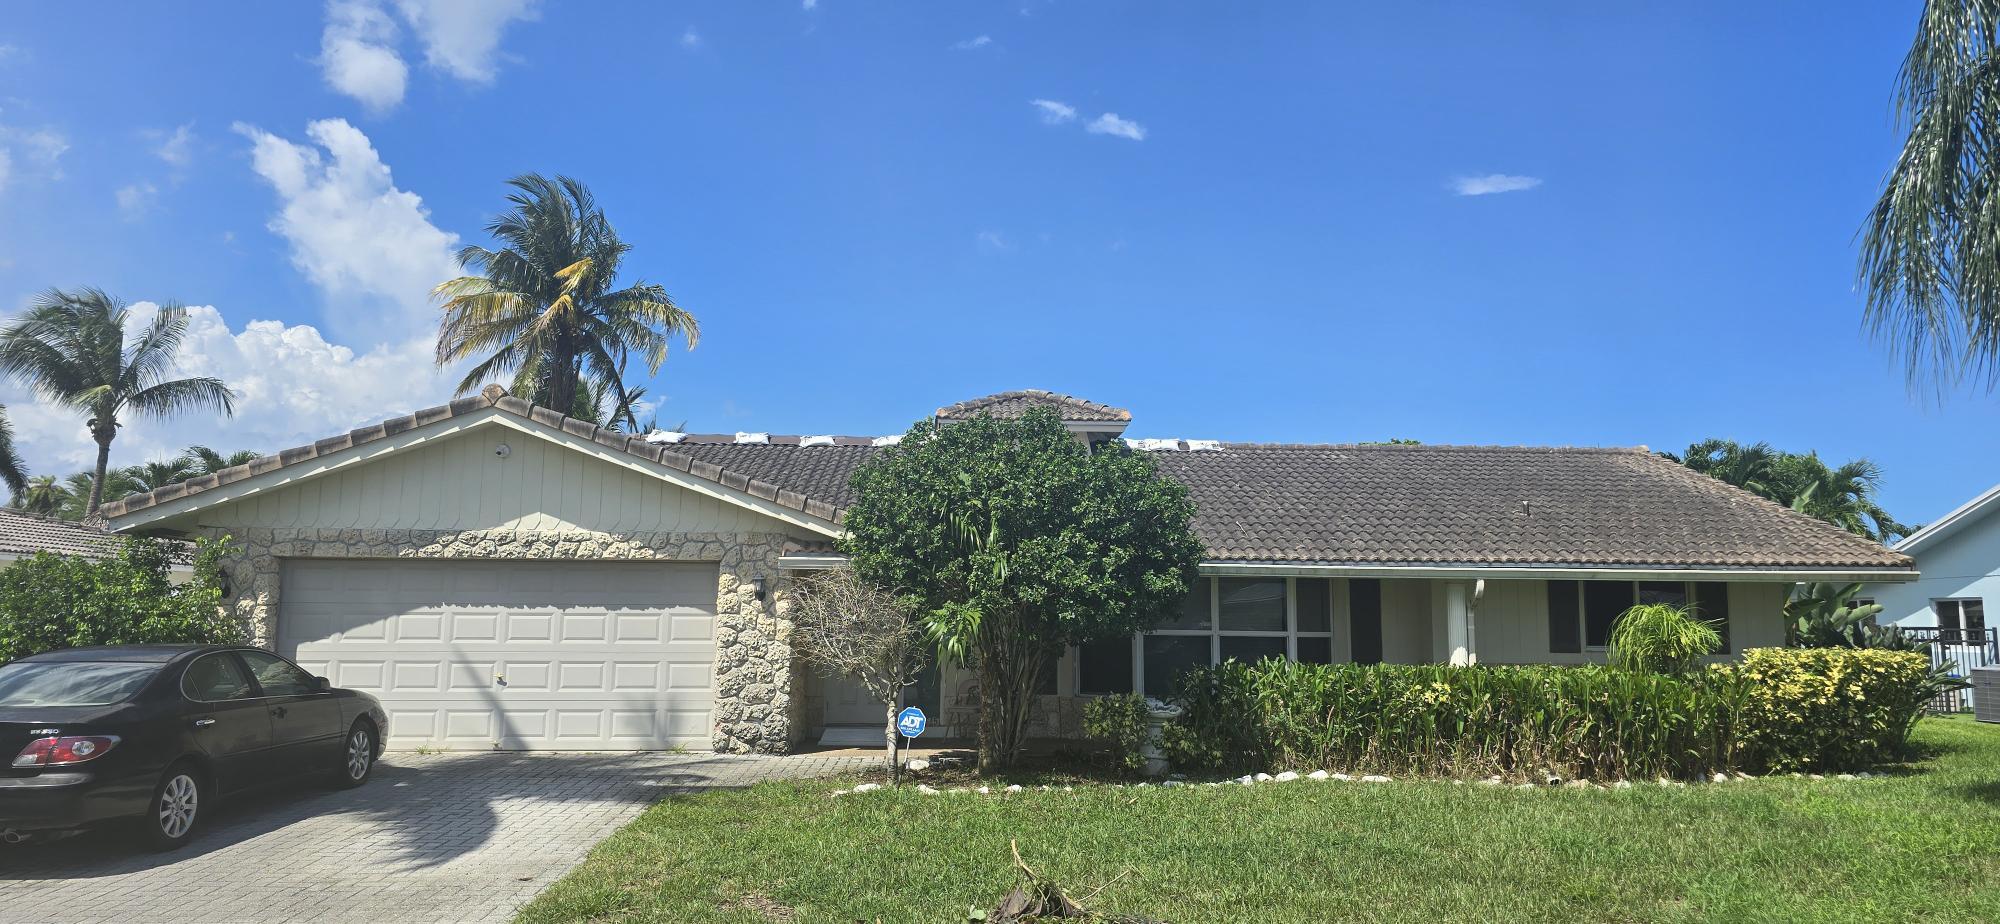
<point>502,576</point>
<point>1959,556</point>
<point>24,534</point>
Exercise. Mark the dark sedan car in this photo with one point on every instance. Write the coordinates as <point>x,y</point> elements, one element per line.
<point>160,732</point>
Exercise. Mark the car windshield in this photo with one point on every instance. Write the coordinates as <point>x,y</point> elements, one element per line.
<point>71,683</point>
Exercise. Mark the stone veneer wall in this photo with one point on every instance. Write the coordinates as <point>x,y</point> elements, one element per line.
<point>754,670</point>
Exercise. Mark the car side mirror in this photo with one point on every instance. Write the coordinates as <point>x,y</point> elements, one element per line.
<point>324,685</point>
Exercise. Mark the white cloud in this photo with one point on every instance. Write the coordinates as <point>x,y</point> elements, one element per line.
<point>136,199</point>
<point>292,387</point>
<point>994,241</point>
<point>31,154</point>
<point>357,54</point>
<point>1054,112</point>
<point>1110,124</point>
<point>971,43</point>
<point>808,4</point>
<point>368,245</point>
<point>1493,183</point>
<point>177,147</point>
<point>690,38</point>
<point>462,37</point>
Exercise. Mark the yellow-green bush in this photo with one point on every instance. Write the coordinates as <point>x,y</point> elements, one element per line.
<point>1830,708</point>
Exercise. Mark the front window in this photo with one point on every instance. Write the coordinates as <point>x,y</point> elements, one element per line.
<point>1961,622</point>
<point>72,683</point>
<point>1583,613</point>
<point>1247,619</point>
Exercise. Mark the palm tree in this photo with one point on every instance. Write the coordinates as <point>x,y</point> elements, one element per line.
<point>1930,249</point>
<point>43,496</point>
<point>152,475</point>
<point>12,471</point>
<point>71,349</point>
<point>544,306</point>
<point>206,461</point>
<point>1843,496</point>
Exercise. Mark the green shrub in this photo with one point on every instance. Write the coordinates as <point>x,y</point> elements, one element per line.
<point>1661,638</point>
<point>1831,708</point>
<point>1119,723</point>
<point>1776,710</point>
<point>1574,722</point>
<point>66,601</point>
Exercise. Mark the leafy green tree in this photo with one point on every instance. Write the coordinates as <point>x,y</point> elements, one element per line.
<point>1017,542</point>
<point>546,306</point>
<point>66,601</point>
<point>1843,496</point>
<point>1661,638</point>
<point>1930,248</point>
<point>70,349</point>
<point>13,472</point>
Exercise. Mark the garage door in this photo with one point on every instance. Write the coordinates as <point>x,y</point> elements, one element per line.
<point>515,655</point>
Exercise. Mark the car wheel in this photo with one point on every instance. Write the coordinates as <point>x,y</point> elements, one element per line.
<point>357,755</point>
<point>177,808</point>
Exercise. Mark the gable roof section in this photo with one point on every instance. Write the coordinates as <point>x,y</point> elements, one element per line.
<point>1488,506</point>
<point>495,398</point>
<point>1013,404</point>
<point>1963,515</point>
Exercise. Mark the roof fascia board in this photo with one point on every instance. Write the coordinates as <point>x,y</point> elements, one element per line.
<point>353,456</point>
<point>822,561</point>
<point>1949,523</point>
<point>1560,573</point>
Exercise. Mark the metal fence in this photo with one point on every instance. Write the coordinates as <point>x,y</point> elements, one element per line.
<point>1959,650</point>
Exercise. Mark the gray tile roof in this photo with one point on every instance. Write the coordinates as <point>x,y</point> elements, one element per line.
<point>26,534</point>
<point>1369,504</point>
<point>1012,404</point>
<point>1494,505</point>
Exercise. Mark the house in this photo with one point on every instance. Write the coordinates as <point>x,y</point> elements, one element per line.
<point>503,576</point>
<point>1959,556</point>
<point>24,534</point>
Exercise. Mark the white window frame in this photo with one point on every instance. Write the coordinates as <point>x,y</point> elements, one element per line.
<point>1215,632</point>
<point>1688,597</point>
<point>1958,617</point>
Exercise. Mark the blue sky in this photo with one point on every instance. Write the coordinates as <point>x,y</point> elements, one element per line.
<point>1239,222</point>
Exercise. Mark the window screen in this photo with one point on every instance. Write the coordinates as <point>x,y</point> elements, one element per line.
<point>1565,629</point>
<point>1105,666</point>
<point>1364,608</point>
<point>1603,603</point>
<point>1711,601</point>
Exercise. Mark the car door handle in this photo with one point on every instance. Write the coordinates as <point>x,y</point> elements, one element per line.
<point>204,722</point>
<point>278,711</point>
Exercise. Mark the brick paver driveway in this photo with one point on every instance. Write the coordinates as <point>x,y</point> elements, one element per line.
<point>437,838</point>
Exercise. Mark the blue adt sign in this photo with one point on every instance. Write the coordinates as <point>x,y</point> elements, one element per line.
<point>910,722</point>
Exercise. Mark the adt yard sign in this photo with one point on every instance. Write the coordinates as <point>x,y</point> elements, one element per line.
<point>910,722</point>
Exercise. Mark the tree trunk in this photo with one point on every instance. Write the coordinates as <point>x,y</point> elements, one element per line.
<point>895,765</point>
<point>103,467</point>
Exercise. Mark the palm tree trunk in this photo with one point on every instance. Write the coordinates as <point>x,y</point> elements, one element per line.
<point>103,467</point>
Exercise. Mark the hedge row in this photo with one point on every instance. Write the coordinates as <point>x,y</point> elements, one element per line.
<point>1777,709</point>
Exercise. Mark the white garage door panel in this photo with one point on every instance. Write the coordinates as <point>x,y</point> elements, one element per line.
<point>518,655</point>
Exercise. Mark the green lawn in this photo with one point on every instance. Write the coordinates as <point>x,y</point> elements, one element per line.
<point>1920,845</point>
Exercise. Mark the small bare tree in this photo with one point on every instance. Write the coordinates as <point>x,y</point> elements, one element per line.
<point>847,627</point>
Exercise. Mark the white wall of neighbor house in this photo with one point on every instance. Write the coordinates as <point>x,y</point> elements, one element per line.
<point>1960,573</point>
<point>468,482</point>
